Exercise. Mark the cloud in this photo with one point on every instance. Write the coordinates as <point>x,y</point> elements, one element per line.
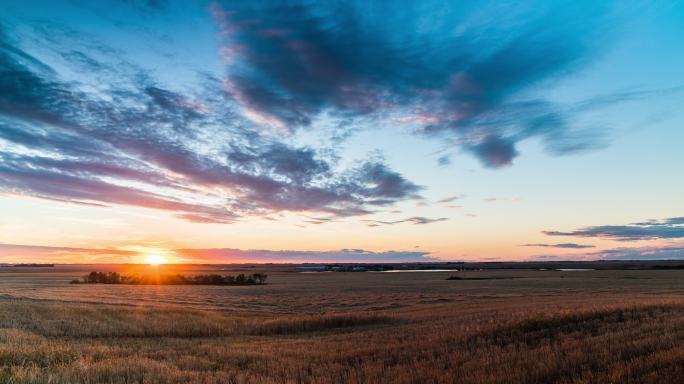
<point>672,228</point>
<point>444,160</point>
<point>81,123</point>
<point>466,72</point>
<point>561,245</point>
<point>502,199</point>
<point>638,253</point>
<point>414,220</point>
<point>495,152</point>
<point>642,253</point>
<point>133,142</point>
<point>228,255</point>
<point>14,253</point>
<point>452,198</point>
<point>33,253</point>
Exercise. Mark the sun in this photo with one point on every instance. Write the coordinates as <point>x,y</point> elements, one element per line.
<point>154,259</point>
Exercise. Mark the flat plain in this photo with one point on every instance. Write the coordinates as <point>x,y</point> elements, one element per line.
<point>490,326</point>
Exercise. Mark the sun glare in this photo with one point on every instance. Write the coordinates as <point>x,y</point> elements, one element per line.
<point>154,259</point>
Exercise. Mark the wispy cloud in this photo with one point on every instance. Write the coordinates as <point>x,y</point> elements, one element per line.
<point>14,253</point>
<point>413,220</point>
<point>561,245</point>
<point>34,253</point>
<point>136,143</point>
<point>502,199</point>
<point>452,198</point>
<point>342,256</point>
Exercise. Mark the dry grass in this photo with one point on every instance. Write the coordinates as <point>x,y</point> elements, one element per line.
<point>316,323</point>
<point>571,338</point>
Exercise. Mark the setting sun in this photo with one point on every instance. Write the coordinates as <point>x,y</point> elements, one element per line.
<point>155,259</point>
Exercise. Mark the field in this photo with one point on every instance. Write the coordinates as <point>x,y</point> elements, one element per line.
<point>491,326</point>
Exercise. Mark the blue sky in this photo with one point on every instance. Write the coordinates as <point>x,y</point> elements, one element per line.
<point>424,130</point>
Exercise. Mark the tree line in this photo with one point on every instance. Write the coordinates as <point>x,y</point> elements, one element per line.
<point>212,279</point>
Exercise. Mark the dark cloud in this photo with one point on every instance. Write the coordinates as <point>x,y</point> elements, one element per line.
<point>495,152</point>
<point>561,245</point>
<point>458,71</point>
<point>675,220</point>
<point>412,220</point>
<point>671,228</point>
<point>134,142</point>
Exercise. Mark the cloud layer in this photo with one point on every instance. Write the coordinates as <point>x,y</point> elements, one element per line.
<point>561,245</point>
<point>122,138</point>
<point>83,122</point>
<point>637,253</point>
<point>39,254</point>
<point>264,256</point>
<point>34,253</point>
<point>419,220</point>
<point>672,228</point>
<point>456,72</point>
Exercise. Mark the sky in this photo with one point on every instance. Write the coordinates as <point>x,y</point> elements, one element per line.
<point>340,131</point>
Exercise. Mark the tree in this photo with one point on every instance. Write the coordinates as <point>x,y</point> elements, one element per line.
<point>240,279</point>
<point>260,278</point>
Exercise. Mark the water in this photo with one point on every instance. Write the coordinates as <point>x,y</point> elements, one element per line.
<point>574,269</point>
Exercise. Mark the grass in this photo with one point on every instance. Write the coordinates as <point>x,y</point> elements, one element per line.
<point>316,323</point>
<point>456,277</point>
<point>594,335</point>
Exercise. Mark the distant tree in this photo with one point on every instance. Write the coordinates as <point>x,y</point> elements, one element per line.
<point>90,278</point>
<point>260,278</point>
<point>240,279</point>
<point>211,279</point>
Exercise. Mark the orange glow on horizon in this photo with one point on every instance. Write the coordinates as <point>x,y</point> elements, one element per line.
<point>155,259</point>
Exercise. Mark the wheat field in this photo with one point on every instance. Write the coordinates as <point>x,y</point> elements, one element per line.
<point>505,327</point>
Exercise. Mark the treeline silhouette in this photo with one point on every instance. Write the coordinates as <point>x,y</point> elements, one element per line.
<point>117,278</point>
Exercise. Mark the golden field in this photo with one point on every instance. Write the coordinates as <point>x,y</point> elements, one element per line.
<point>503,326</point>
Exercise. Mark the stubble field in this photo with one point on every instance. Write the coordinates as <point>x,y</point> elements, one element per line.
<point>494,326</point>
